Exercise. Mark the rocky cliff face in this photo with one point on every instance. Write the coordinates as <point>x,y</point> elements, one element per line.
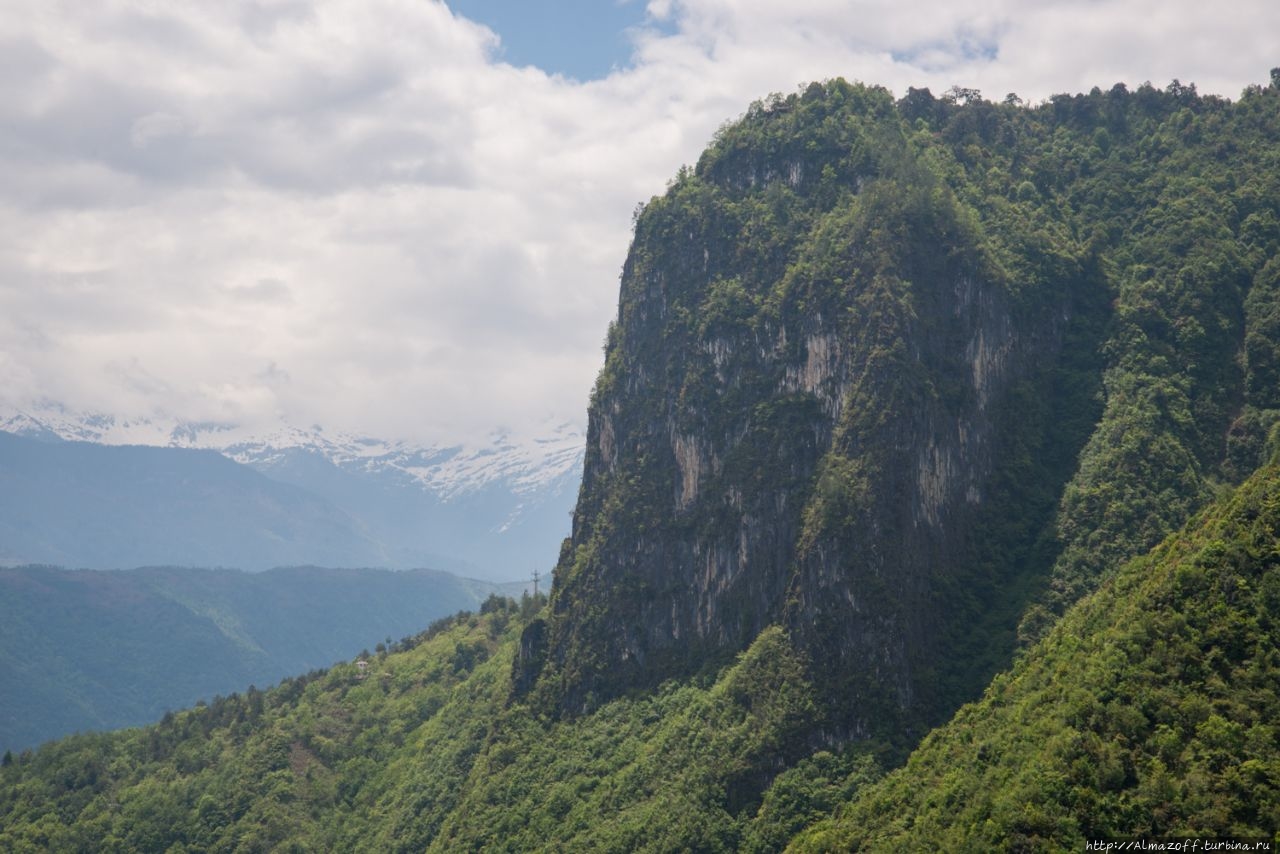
<point>806,396</point>
<point>886,373</point>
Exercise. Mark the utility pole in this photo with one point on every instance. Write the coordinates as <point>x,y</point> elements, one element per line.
<point>536,576</point>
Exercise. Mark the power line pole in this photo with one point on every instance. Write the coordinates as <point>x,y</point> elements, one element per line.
<point>536,576</point>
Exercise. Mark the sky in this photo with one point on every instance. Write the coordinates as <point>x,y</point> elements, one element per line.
<point>407,219</point>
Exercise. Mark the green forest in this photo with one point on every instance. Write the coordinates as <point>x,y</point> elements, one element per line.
<point>931,502</point>
<point>1148,709</point>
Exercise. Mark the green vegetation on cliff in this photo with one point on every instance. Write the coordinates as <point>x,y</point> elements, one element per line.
<point>909,378</point>
<point>1148,711</point>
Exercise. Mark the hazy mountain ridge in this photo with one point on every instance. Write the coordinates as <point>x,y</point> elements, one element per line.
<point>495,509</point>
<point>79,504</point>
<point>89,649</point>
<point>526,463</point>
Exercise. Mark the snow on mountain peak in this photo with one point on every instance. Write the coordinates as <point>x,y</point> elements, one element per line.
<point>522,464</point>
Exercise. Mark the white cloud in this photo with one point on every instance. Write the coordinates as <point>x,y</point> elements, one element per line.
<point>346,212</point>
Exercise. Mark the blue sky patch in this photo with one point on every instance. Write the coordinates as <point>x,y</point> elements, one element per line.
<point>582,39</point>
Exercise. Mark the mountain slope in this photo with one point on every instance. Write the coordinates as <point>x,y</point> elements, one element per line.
<point>1149,711</point>
<point>907,377</point>
<point>423,752</point>
<point>100,649</point>
<point>497,518</point>
<point>772,404</point>
<point>85,505</point>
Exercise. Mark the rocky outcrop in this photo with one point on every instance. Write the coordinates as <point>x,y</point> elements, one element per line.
<point>800,425</point>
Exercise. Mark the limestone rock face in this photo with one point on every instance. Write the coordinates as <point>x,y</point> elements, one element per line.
<point>814,377</point>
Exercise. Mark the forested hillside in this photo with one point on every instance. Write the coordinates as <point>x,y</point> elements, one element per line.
<point>422,751</point>
<point>908,377</point>
<point>1149,710</point>
<point>901,396</point>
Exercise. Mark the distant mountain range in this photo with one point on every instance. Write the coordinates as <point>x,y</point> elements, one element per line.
<point>86,489</point>
<point>99,650</point>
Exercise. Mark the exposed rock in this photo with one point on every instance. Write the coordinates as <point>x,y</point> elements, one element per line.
<point>805,432</point>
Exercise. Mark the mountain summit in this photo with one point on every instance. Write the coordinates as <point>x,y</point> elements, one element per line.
<point>906,378</point>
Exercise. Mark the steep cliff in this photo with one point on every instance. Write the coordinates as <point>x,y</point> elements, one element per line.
<point>818,377</point>
<point>877,376</point>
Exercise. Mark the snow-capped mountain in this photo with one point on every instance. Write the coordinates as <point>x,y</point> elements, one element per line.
<point>527,465</point>
<point>496,508</point>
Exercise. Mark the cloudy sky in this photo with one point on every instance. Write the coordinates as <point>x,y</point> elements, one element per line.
<point>407,218</point>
